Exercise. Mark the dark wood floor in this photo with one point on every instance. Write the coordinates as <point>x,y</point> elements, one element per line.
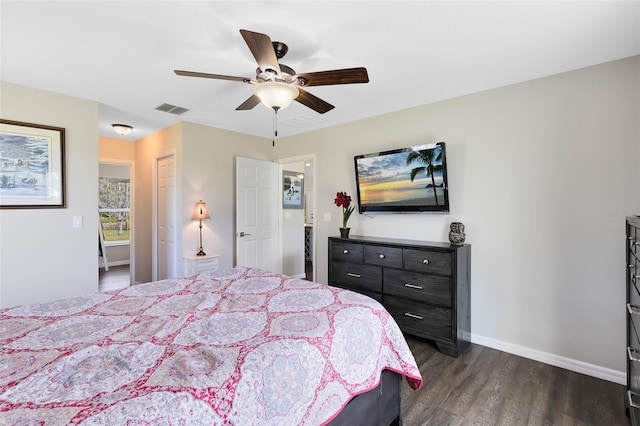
<point>308,270</point>
<point>484,386</point>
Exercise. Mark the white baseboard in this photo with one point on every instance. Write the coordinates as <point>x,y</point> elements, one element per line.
<point>593,370</point>
<point>299,276</point>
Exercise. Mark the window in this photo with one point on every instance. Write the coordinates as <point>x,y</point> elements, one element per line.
<point>114,196</point>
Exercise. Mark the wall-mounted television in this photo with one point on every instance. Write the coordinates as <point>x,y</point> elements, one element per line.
<point>407,180</point>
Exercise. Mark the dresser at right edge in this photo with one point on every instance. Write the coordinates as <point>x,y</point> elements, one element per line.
<point>632,249</point>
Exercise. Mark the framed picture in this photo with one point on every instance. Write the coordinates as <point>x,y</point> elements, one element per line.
<point>293,190</point>
<point>31,166</point>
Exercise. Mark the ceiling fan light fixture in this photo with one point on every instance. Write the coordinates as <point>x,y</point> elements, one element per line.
<point>275,95</point>
<point>122,129</point>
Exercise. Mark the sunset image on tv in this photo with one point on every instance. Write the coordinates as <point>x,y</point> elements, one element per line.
<point>412,177</point>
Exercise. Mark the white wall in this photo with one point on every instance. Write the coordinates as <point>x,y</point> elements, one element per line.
<point>42,257</point>
<point>542,174</point>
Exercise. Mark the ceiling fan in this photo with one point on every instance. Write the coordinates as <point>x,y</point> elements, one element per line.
<point>276,85</point>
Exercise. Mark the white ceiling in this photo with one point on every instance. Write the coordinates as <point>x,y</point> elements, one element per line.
<point>122,54</point>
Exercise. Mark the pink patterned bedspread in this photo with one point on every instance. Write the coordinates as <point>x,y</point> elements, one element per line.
<point>233,347</point>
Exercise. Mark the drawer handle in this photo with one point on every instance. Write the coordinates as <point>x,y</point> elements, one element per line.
<point>425,261</point>
<point>381,256</point>
<point>410,315</point>
<point>349,274</point>
<point>345,251</point>
<point>631,353</point>
<point>417,287</point>
<point>631,394</point>
<point>633,310</point>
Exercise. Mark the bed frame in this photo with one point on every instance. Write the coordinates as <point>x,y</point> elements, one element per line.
<point>379,406</point>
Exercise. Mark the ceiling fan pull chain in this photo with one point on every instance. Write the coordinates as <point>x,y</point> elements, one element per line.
<point>275,124</point>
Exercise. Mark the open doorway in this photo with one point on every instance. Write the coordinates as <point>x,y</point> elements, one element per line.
<point>298,234</point>
<point>115,193</point>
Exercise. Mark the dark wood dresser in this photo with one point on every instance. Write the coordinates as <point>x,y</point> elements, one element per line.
<point>424,285</point>
<point>633,318</point>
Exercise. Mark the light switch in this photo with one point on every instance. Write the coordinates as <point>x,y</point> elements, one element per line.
<point>327,217</point>
<point>77,221</point>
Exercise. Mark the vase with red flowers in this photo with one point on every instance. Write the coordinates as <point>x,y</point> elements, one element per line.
<point>343,200</point>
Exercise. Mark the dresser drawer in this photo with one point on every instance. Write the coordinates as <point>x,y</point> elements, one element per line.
<point>634,295</point>
<point>431,289</point>
<point>350,252</point>
<point>634,370</point>
<point>427,261</point>
<point>633,339</point>
<point>383,256</point>
<point>633,264</point>
<point>357,276</point>
<point>419,319</point>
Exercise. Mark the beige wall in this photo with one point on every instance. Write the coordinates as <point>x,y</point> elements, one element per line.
<point>147,150</point>
<point>41,256</point>
<point>116,149</point>
<point>542,174</point>
<point>209,157</point>
<point>205,169</point>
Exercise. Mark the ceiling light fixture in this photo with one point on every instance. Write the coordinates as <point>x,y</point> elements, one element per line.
<point>122,129</point>
<point>276,95</point>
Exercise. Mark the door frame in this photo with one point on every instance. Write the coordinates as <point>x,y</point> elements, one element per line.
<point>154,213</point>
<point>132,234</point>
<point>302,158</point>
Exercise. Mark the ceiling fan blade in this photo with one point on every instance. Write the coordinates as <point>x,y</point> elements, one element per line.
<point>326,78</point>
<point>214,76</point>
<point>262,49</point>
<point>249,103</point>
<point>313,102</point>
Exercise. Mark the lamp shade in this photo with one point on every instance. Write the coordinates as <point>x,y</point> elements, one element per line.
<point>201,211</point>
<point>122,129</point>
<point>276,95</point>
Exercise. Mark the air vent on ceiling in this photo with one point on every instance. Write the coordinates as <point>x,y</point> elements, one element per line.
<point>171,109</point>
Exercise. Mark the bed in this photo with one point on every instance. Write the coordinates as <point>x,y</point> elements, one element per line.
<point>239,346</point>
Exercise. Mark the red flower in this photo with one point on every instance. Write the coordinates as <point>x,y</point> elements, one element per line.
<point>343,200</point>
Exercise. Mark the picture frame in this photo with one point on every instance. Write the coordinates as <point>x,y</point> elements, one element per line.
<point>32,167</point>
<point>292,190</point>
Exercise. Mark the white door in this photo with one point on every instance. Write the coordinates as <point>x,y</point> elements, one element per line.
<point>167,265</point>
<point>257,210</point>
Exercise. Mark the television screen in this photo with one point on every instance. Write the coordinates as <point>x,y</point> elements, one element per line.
<point>407,180</point>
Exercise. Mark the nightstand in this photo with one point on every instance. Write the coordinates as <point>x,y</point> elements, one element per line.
<point>195,264</point>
